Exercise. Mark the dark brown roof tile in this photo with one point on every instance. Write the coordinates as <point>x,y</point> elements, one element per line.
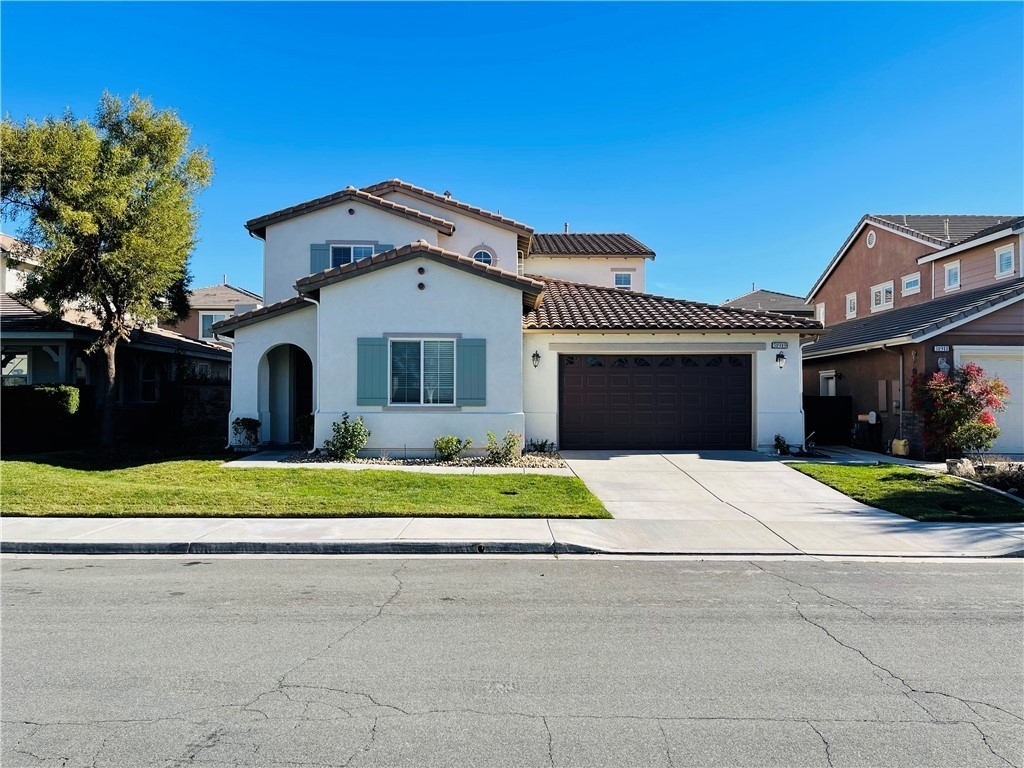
<point>588,244</point>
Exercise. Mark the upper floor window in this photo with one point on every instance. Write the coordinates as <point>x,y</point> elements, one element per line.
<point>881,296</point>
<point>624,281</point>
<point>1004,261</point>
<point>345,254</point>
<point>422,372</point>
<point>911,284</point>
<point>206,321</point>
<point>851,305</point>
<point>483,257</point>
<point>819,312</point>
<point>952,275</point>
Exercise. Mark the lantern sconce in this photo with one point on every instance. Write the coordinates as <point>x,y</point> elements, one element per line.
<point>536,358</point>
<point>780,359</point>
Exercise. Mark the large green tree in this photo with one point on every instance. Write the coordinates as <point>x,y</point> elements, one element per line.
<point>109,203</point>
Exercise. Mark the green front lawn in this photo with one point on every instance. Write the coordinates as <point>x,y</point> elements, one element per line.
<point>919,495</point>
<point>68,485</point>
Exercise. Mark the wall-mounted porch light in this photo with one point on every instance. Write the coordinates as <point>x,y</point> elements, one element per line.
<point>536,358</point>
<point>780,359</point>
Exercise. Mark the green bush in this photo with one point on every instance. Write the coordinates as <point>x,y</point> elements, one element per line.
<point>448,447</point>
<point>349,438</point>
<point>504,452</point>
<point>540,446</point>
<point>39,417</point>
<point>247,430</point>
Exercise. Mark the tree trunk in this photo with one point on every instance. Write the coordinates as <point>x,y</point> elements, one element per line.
<point>109,396</point>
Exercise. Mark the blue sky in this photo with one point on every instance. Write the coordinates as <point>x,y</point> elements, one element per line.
<point>742,142</point>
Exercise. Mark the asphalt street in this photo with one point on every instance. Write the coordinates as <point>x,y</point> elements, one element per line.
<point>332,661</point>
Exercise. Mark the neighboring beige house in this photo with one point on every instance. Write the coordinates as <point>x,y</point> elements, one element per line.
<point>914,294</point>
<point>210,305</point>
<point>428,316</point>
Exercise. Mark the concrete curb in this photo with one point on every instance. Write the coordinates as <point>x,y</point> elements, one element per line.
<point>423,548</point>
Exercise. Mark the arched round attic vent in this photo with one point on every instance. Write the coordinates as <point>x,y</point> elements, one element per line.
<point>871,238</point>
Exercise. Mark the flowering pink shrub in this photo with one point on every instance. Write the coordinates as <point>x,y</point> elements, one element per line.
<point>957,407</point>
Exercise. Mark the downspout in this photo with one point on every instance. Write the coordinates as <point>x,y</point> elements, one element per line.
<point>900,353</point>
<point>801,346</point>
<point>316,401</point>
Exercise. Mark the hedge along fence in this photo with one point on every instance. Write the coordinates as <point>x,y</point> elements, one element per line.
<point>39,417</point>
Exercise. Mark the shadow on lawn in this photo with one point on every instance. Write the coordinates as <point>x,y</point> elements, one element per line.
<point>98,460</point>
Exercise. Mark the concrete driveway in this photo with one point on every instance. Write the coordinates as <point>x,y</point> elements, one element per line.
<point>742,501</point>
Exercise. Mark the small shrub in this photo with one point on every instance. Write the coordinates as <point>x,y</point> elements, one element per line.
<point>349,438</point>
<point>448,447</point>
<point>246,430</point>
<point>506,451</point>
<point>540,446</point>
<point>304,429</point>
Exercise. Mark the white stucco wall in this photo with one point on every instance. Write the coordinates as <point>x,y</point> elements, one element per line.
<point>777,395</point>
<point>469,232</point>
<point>592,270</point>
<point>286,250</point>
<point>251,369</point>
<point>389,301</point>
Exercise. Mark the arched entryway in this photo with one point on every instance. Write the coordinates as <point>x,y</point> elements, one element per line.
<point>286,391</point>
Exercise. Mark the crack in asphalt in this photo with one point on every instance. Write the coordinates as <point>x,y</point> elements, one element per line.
<point>551,745</point>
<point>828,747</point>
<point>668,748</point>
<point>813,589</point>
<point>984,740</point>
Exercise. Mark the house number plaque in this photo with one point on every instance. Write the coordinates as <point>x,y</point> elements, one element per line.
<point>940,348</point>
<point>780,345</point>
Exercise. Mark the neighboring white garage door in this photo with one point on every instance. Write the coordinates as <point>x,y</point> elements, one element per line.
<point>1008,364</point>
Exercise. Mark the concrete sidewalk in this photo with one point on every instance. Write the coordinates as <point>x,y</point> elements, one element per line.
<point>207,536</point>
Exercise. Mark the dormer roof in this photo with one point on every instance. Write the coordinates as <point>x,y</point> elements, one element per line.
<point>588,244</point>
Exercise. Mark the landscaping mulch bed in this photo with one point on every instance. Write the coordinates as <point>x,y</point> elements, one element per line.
<point>1006,476</point>
<point>535,460</point>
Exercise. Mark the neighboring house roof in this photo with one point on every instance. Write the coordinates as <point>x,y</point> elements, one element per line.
<point>228,326</point>
<point>397,185</point>
<point>18,250</point>
<point>222,296</point>
<point>588,244</point>
<point>948,229</point>
<point>574,306</point>
<point>21,322</point>
<point>918,322</point>
<point>929,230</point>
<point>1001,230</point>
<point>258,226</point>
<point>771,301</point>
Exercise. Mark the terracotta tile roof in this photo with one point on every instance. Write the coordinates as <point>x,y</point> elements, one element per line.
<point>531,288</point>
<point>221,296</point>
<point>947,229</point>
<point>588,244</point>
<point>229,325</point>
<point>575,306</point>
<point>394,185</point>
<point>916,322</point>
<point>258,226</point>
<point>771,301</point>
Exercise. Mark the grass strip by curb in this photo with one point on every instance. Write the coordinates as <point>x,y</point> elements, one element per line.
<point>919,495</point>
<point>202,488</point>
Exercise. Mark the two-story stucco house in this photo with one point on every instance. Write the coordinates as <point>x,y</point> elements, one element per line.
<point>914,294</point>
<point>427,316</point>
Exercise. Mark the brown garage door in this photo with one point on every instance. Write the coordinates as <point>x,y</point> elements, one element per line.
<point>655,401</point>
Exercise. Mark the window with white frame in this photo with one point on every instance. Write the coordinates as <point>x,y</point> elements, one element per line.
<point>15,368</point>
<point>819,312</point>
<point>881,296</point>
<point>422,372</point>
<point>484,255</point>
<point>206,321</point>
<point>827,383</point>
<point>344,253</point>
<point>910,284</point>
<point>1004,261</point>
<point>851,305</point>
<point>952,275</point>
<point>624,281</point>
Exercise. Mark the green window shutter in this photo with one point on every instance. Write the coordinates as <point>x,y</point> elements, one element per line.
<point>372,372</point>
<point>381,247</point>
<point>319,257</point>
<point>471,372</point>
